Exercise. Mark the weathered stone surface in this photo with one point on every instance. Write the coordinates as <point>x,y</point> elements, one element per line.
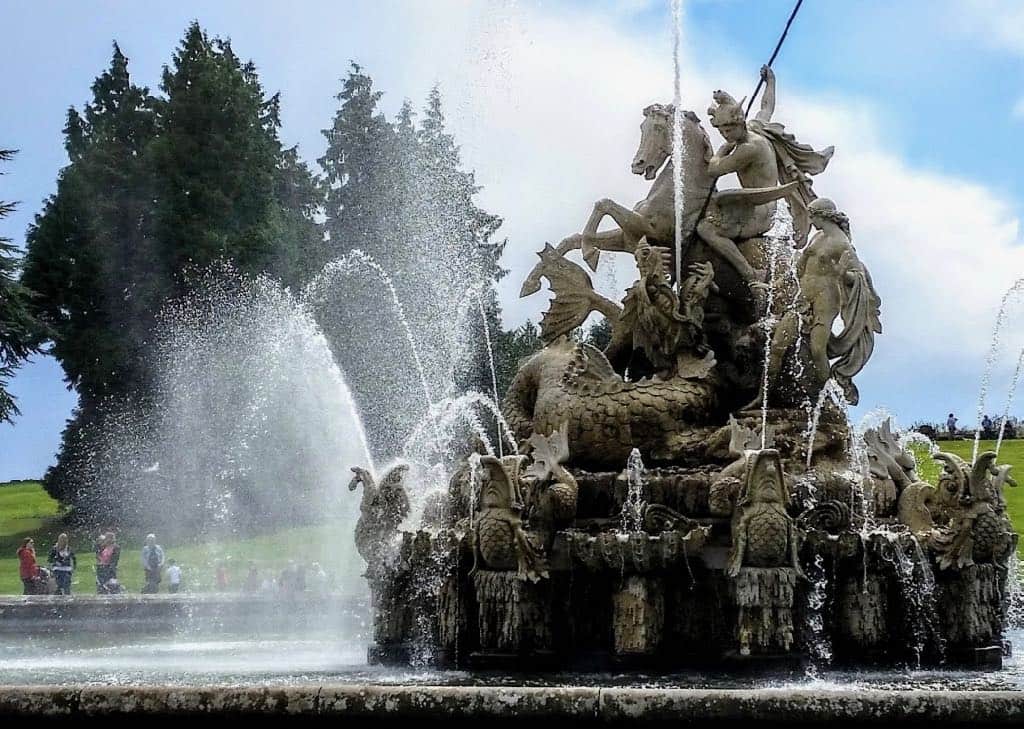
<point>577,704</point>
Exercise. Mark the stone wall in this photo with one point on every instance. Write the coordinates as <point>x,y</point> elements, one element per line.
<point>452,704</point>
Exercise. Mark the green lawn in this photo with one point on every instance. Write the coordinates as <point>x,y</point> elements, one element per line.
<point>27,511</point>
<point>1011,452</point>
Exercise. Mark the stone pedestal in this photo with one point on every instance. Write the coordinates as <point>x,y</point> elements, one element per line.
<point>514,616</point>
<point>971,606</point>
<point>764,596</point>
<point>638,619</point>
<point>863,613</point>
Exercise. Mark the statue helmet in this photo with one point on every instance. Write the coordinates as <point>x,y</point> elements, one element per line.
<point>727,110</point>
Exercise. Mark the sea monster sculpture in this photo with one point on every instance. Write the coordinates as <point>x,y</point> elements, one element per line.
<point>979,531</point>
<point>892,467</point>
<point>607,416</point>
<point>554,489</point>
<point>763,563</point>
<point>501,542</point>
<point>725,488</point>
<point>383,507</point>
<point>666,327</point>
<point>764,534</point>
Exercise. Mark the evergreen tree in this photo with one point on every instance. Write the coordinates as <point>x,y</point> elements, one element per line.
<point>221,172</point>
<point>20,332</point>
<point>600,333</point>
<point>397,191</point>
<point>156,188</point>
<point>512,348</point>
<point>89,256</point>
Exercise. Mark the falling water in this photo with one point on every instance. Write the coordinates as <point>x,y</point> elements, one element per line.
<point>474,485</point>
<point>769,328</point>
<point>677,136</point>
<point>831,391</point>
<point>917,589</point>
<point>784,218</point>
<point>315,290</point>
<point>818,638</point>
<point>494,374</point>
<point>449,411</point>
<point>1009,400</point>
<point>912,438</point>
<point>990,359</point>
<point>633,507</point>
<point>859,462</point>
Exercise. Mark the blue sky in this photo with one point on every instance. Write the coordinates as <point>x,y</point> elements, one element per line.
<point>923,99</point>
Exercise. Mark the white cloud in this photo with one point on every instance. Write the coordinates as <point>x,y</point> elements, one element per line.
<point>550,121</point>
<point>1018,109</point>
<point>998,24</point>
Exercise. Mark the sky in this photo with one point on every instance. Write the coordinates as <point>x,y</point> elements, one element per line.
<point>923,100</point>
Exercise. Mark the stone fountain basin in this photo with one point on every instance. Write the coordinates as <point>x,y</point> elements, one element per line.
<point>589,705</point>
<point>319,674</point>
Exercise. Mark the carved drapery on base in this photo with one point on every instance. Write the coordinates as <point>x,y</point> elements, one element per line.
<point>764,596</point>
<point>515,615</point>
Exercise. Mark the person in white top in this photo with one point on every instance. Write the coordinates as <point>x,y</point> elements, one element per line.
<point>173,576</point>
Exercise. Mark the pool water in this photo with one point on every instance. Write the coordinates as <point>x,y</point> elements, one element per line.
<point>238,660</point>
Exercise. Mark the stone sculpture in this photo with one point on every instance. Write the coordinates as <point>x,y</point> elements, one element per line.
<point>607,416</point>
<point>892,468</point>
<point>526,561</point>
<point>833,283</point>
<point>554,489</point>
<point>501,542</point>
<point>979,530</point>
<point>763,561</point>
<point>383,508</point>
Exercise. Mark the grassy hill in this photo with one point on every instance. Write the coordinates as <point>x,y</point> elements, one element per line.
<point>28,511</point>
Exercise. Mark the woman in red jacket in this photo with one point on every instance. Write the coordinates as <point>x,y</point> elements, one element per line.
<point>27,564</point>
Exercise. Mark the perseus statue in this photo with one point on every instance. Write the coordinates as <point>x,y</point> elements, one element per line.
<point>763,156</point>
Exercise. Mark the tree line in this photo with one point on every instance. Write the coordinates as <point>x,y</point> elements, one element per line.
<point>162,185</point>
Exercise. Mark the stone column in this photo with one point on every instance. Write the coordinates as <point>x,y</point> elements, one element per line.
<point>638,616</point>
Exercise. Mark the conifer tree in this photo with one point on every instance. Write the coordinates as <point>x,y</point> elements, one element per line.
<point>89,254</point>
<point>20,332</point>
<point>156,188</point>
<point>220,170</point>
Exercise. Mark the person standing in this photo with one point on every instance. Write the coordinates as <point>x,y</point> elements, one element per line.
<point>108,554</point>
<point>173,576</point>
<point>152,563</point>
<point>28,568</point>
<point>951,425</point>
<point>63,564</point>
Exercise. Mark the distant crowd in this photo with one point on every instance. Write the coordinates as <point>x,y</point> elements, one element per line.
<point>990,429</point>
<point>56,577</point>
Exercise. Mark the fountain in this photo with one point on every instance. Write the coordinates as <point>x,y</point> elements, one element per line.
<point>677,483</point>
<point>692,499</point>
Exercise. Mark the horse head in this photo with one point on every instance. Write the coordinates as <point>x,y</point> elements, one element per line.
<point>655,140</point>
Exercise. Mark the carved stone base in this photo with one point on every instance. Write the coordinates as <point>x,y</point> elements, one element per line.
<point>514,615</point>
<point>989,658</point>
<point>764,596</point>
<point>638,621</point>
<point>971,606</point>
<point>863,613</point>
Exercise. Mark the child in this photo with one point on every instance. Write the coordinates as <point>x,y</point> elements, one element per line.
<point>173,576</point>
